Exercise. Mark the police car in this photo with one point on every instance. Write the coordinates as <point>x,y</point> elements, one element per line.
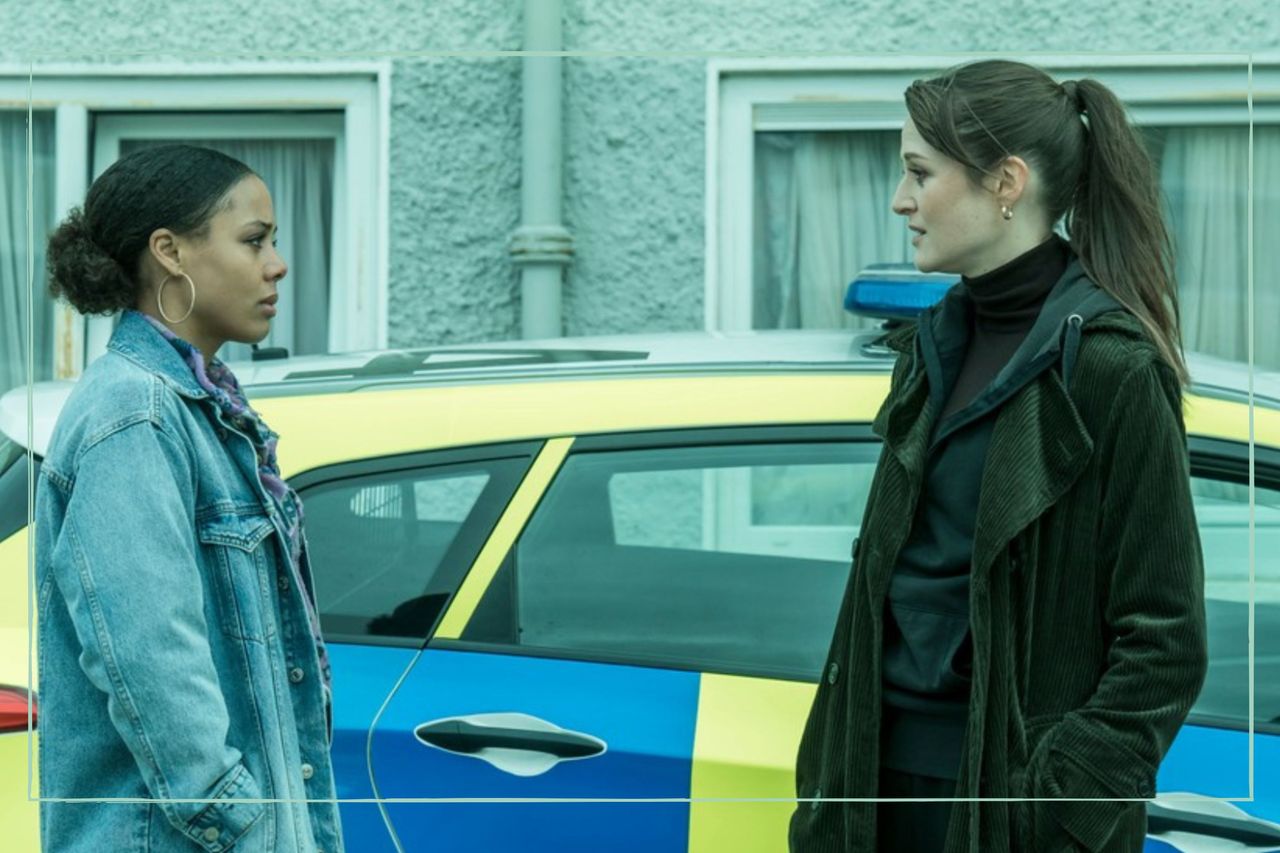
<point>578,593</point>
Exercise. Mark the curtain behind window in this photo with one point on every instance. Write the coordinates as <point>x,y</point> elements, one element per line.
<point>14,300</point>
<point>1204,175</point>
<point>822,214</point>
<point>299,174</point>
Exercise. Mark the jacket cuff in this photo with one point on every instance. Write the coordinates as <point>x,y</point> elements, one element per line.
<point>224,821</point>
<point>1112,769</point>
<point>1070,767</point>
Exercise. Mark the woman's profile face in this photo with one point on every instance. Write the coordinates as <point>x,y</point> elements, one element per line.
<point>955,225</point>
<point>236,270</point>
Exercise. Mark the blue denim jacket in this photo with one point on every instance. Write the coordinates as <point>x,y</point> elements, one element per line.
<point>177,666</point>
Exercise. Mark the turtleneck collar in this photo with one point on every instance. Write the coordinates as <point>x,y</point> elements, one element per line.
<point>1009,298</point>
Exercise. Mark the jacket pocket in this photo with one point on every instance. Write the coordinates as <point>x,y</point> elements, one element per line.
<point>1069,764</point>
<point>235,543</point>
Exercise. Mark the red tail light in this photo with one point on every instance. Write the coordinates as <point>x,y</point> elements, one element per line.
<point>14,702</point>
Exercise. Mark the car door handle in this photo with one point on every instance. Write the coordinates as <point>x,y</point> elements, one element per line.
<point>1229,823</point>
<point>512,742</point>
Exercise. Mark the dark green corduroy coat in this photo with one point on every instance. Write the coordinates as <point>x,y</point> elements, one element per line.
<point>1086,609</point>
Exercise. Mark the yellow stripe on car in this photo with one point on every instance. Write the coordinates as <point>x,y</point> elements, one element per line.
<point>744,747</point>
<point>326,428</point>
<point>1229,420</point>
<point>13,614</point>
<point>504,535</point>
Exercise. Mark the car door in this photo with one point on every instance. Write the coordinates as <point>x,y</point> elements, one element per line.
<point>1204,784</point>
<point>389,541</point>
<point>624,641</point>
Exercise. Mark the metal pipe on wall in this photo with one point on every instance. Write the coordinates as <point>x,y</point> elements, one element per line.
<point>541,247</point>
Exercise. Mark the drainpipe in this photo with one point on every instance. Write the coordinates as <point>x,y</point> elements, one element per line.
<point>541,247</point>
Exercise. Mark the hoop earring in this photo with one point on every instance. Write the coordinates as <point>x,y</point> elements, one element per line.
<point>160,301</point>
<point>1006,211</point>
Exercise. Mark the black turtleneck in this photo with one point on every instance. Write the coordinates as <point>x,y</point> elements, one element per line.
<point>1006,302</point>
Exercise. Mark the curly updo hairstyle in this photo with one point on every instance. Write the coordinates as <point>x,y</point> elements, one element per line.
<point>95,254</point>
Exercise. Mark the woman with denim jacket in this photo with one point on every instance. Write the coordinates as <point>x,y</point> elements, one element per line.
<point>185,687</point>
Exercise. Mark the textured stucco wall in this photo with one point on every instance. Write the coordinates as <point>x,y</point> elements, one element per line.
<point>455,199</point>
<point>634,126</point>
<point>634,193</point>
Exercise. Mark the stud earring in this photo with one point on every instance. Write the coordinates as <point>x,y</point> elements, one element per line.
<point>1006,211</point>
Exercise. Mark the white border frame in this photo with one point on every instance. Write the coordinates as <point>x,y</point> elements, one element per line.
<point>360,90</point>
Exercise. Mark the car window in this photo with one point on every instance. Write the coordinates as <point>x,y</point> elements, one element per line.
<point>13,486</point>
<point>1222,513</point>
<point>388,548</point>
<point>727,558</point>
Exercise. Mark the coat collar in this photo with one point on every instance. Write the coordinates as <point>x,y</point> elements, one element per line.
<point>1039,444</point>
<point>136,339</point>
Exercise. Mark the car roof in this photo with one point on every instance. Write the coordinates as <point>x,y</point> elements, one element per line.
<point>600,357</point>
<point>564,358</point>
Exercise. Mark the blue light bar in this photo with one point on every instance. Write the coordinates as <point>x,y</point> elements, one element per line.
<point>896,291</point>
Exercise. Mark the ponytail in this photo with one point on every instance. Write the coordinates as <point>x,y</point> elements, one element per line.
<point>1116,226</point>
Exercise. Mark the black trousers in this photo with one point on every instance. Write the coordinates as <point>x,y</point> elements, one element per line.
<point>912,827</point>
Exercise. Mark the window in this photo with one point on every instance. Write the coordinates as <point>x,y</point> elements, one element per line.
<point>807,165</point>
<point>1222,512</point>
<point>15,302</point>
<point>627,558</point>
<point>13,486</point>
<point>389,547</point>
<point>325,154</point>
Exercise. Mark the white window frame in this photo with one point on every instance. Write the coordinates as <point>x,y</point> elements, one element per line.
<point>360,91</point>
<point>745,96</point>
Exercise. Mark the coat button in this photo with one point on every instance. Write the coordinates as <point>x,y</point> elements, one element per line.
<point>283,583</point>
<point>211,834</point>
<point>296,675</point>
<point>222,433</point>
<point>833,672</point>
<point>817,795</point>
<point>308,771</point>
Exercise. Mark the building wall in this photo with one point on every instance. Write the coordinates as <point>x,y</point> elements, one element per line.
<point>634,126</point>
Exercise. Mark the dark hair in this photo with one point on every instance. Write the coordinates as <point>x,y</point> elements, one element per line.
<point>1092,166</point>
<point>94,255</point>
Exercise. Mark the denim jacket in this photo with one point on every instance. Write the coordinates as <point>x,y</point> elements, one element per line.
<point>177,667</point>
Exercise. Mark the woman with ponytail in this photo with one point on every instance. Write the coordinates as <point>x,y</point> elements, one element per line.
<point>1023,631</point>
<point>184,685</point>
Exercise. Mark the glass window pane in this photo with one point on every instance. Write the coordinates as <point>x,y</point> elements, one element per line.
<point>15,304</point>
<point>386,549</point>
<point>1204,182</point>
<point>1222,512</point>
<point>658,555</point>
<point>821,215</point>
